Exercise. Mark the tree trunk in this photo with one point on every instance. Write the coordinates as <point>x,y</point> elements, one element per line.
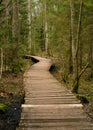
<point>46,28</point>
<point>1,68</point>
<point>72,34</point>
<point>79,27</point>
<point>15,36</point>
<point>76,82</point>
<point>91,59</point>
<point>6,42</point>
<point>15,28</point>
<point>70,55</point>
<point>30,21</point>
<point>80,55</point>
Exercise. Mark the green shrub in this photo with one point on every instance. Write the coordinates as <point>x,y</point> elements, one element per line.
<point>82,98</point>
<point>65,78</point>
<point>3,107</point>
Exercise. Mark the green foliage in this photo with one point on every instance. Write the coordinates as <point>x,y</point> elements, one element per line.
<point>65,78</point>
<point>58,19</point>
<point>6,36</point>
<point>16,68</point>
<point>3,107</point>
<point>82,98</point>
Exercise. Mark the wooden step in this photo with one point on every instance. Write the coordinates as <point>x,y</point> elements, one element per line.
<point>51,101</point>
<point>55,124</point>
<point>56,128</point>
<point>49,105</point>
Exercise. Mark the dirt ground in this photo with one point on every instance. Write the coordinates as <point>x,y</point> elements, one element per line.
<point>11,94</point>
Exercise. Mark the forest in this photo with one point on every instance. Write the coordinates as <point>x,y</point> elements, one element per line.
<point>61,30</point>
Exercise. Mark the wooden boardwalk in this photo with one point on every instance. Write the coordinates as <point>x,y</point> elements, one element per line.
<point>49,105</point>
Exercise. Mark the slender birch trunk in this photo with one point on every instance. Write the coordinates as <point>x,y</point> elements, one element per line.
<point>80,55</point>
<point>30,21</point>
<point>7,34</point>
<point>1,68</point>
<point>15,36</point>
<point>79,34</point>
<point>15,28</point>
<point>79,27</point>
<point>76,82</point>
<point>46,28</point>
<point>72,34</point>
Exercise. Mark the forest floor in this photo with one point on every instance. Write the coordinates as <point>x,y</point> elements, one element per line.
<point>11,94</point>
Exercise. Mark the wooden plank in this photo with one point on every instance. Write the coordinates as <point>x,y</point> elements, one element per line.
<point>48,104</point>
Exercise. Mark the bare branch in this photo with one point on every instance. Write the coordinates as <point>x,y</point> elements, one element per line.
<point>83,70</point>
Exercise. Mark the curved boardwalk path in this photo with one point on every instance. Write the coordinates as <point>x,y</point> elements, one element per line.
<point>48,105</point>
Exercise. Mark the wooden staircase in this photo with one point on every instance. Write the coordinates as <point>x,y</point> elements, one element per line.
<point>49,105</point>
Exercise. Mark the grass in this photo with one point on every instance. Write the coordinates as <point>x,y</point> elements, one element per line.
<point>86,88</point>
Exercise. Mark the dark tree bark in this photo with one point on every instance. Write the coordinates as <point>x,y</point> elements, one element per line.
<point>15,34</point>
<point>15,28</point>
<point>76,81</point>
<point>70,55</point>
<point>72,37</point>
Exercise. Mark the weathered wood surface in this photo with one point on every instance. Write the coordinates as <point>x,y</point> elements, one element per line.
<point>49,105</point>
